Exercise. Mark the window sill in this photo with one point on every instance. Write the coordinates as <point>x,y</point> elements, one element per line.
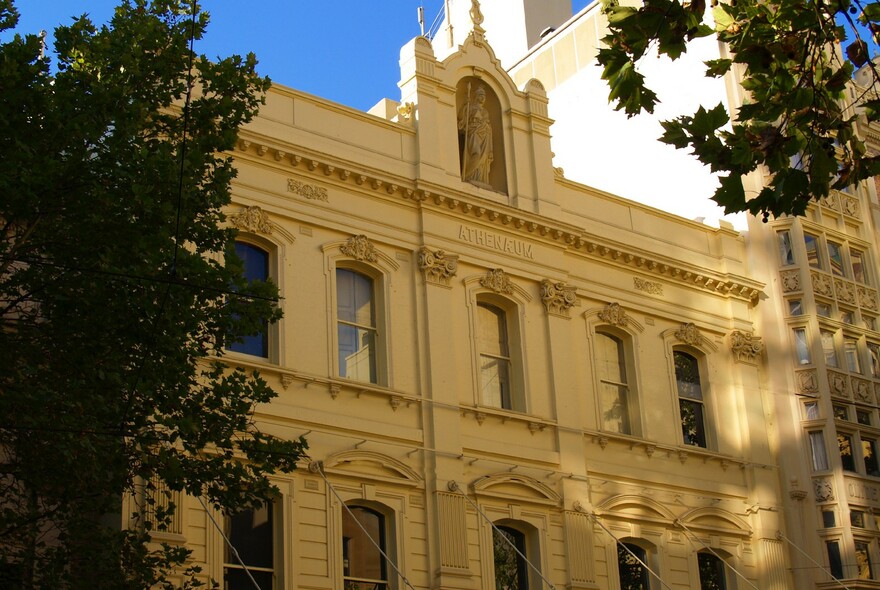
<point>482,413</point>
<point>683,453</point>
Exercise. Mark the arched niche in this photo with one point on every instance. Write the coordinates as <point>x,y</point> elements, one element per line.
<point>480,130</point>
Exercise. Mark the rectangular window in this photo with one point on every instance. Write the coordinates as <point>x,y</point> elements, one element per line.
<point>255,269</point>
<point>494,357</point>
<point>251,532</point>
<point>690,399</point>
<point>786,256</point>
<point>795,307</point>
<point>869,455</point>
<point>857,518</point>
<point>858,265</point>
<point>828,519</point>
<point>812,245</point>
<point>818,452</point>
<point>874,353</point>
<point>840,412</point>
<point>845,446</point>
<point>863,561</point>
<point>811,410</point>
<point>863,417</point>
<point>823,309</point>
<point>801,348</point>
<point>847,317</point>
<point>835,564</point>
<point>614,394</point>
<point>356,326</point>
<point>828,348</point>
<point>851,353</point>
<point>835,257</point>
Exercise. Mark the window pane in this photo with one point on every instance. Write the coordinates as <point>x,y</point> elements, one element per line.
<point>828,348</point>
<point>840,412</point>
<point>256,268</point>
<point>834,562</point>
<point>851,353</point>
<point>354,298</point>
<point>492,342</point>
<point>511,571</point>
<point>251,533</point>
<point>863,561</point>
<point>795,307</point>
<point>692,425</point>
<point>492,326</point>
<point>614,392</point>
<point>836,258</point>
<point>811,410</point>
<point>633,575</point>
<point>687,376</point>
<point>874,351</point>
<point>845,445</point>
<point>817,449</point>
<point>869,454</point>
<point>828,519</point>
<point>823,309</point>
<point>711,572</point>
<point>863,417</point>
<point>495,382</point>
<point>610,362</point>
<point>786,256</point>
<point>858,265</point>
<point>363,534</point>
<point>801,348</point>
<point>812,245</point>
<point>615,412</point>
<point>357,353</point>
<point>356,330</point>
<point>857,518</point>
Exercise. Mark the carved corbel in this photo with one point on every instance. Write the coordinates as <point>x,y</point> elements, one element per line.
<point>438,266</point>
<point>745,347</point>
<point>558,298</point>
<point>360,248</point>
<point>498,281</point>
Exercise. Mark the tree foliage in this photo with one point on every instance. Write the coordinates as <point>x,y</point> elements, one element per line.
<point>118,292</point>
<point>798,121</point>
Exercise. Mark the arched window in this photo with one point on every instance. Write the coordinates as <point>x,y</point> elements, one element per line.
<point>631,570</point>
<point>713,574</point>
<point>494,350</point>
<point>511,570</point>
<point>252,533</point>
<point>690,399</point>
<point>357,334</point>
<point>616,396</point>
<point>363,535</point>
<point>256,268</point>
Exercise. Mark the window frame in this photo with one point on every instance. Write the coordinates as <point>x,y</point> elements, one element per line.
<point>512,312</point>
<point>386,544</point>
<point>645,551</point>
<point>626,353</point>
<point>270,334</point>
<point>704,434</point>
<point>276,532</point>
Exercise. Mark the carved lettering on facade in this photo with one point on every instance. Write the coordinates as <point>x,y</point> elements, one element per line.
<point>495,241</point>
<point>615,315</point>
<point>689,334</point>
<point>252,219</point>
<point>437,265</point>
<point>649,287</point>
<point>309,191</point>
<point>558,297</point>
<point>862,491</point>
<point>497,280</point>
<point>791,280</point>
<point>745,347</point>
<point>360,248</point>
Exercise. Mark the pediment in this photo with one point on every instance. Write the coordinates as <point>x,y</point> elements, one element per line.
<point>636,508</point>
<point>372,466</point>
<point>521,488</point>
<point>717,521</point>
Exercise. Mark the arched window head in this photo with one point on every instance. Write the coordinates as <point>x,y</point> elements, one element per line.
<point>357,334</point>
<point>256,268</point>
<point>363,536</point>
<point>690,399</point>
<point>617,402</point>
<point>511,569</point>
<point>494,349</point>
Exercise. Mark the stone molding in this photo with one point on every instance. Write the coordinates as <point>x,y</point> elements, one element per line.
<point>558,298</point>
<point>360,248</point>
<point>497,280</point>
<point>614,315</point>
<point>689,333</point>
<point>721,284</point>
<point>437,265</point>
<point>252,219</point>
<point>745,347</point>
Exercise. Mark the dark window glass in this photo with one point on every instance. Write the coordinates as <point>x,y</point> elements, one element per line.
<point>363,534</point>
<point>828,519</point>
<point>690,399</point>
<point>869,454</point>
<point>847,458</point>
<point>511,570</point>
<point>711,572</point>
<point>251,533</point>
<point>863,561</point>
<point>834,562</point>
<point>632,571</point>
<point>256,268</point>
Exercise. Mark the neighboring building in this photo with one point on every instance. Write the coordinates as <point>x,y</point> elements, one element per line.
<point>484,354</point>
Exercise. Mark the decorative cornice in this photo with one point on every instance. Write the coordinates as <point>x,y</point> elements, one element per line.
<point>437,265</point>
<point>497,280</point>
<point>252,219</point>
<point>558,298</point>
<point>517,221</point>
<point>745,347</point>
<point>360,248</point>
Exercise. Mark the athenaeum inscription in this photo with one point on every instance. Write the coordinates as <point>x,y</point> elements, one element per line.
<point>495,241</point>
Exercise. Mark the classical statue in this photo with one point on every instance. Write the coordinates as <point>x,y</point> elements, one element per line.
<point>474,125</point>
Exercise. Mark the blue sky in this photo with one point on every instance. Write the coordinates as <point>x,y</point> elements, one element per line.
<point>348,54</point>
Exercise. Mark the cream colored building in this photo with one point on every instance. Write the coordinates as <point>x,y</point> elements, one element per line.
<point>484,354</point>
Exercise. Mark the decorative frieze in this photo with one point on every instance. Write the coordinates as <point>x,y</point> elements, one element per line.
<point>558,298</point>
<point>823,489</point>
<point>807,382</point>
<point>309,191</point>
<point>614,315</point>
<point>862,389</point>
<point>822,284</point>
<point>745,347</point>
<point>252,219</point>
<point>437,265</point>
<point>498,281</point>
<point>867,298</point>
<point>689,334</point>
<point>649,287</point>
<point>851,206</point>
<point>791,280</point>
<point>837,383</point>
<point>845,290</point>
<point>360,248</point>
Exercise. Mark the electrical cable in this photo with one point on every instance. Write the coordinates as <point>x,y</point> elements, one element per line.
<point>628,550</point>
<point>781,535</point>
<point>228,543</point>
<point>690,534</point>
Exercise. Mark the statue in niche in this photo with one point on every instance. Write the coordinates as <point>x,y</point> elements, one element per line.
<point>474,125</point>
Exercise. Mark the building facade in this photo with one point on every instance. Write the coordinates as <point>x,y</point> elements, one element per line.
<point>508,379</point>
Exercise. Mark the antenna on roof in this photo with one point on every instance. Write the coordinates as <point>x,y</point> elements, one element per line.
<point>422,20</point>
